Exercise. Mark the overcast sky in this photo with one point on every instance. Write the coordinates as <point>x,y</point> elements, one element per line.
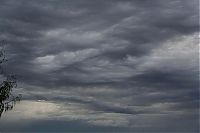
<point>128,65</point>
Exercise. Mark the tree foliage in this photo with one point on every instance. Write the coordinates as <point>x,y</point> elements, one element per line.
<point>7,99</point>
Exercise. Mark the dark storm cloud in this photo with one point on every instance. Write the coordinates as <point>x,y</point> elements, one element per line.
<point>143,52</point>
<point>172,80</point>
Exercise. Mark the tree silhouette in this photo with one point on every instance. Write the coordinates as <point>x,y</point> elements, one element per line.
<point>7,99</point>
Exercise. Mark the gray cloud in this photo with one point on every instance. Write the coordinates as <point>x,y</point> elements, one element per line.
<point>135,57</point>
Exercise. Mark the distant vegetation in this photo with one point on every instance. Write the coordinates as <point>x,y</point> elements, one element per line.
<point>7,83</point>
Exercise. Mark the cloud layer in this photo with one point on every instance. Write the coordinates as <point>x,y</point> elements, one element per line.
<point>127,61</point>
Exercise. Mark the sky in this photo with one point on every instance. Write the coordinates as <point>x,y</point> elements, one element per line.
<point>95,65</point>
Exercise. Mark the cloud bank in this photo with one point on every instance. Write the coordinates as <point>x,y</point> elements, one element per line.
<point>128,62</point>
